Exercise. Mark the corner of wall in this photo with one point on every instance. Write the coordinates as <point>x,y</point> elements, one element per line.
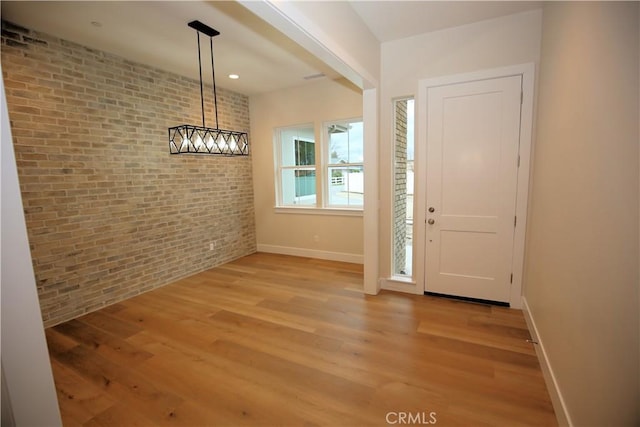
<point>559,406</point>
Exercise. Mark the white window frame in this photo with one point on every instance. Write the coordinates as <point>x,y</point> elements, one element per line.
<point>402,278</point>
<point>326,165</point>
<point>321,167</point>
<point>279,167</point>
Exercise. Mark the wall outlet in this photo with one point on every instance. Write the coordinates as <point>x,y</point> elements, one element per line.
<point>211,246</point>
<point>316,238</point>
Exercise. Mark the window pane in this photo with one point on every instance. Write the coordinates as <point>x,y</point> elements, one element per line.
<point>403,187</point>
<point>346,186</point>
<point>356,143</point>
<point>298,187</point>
<point>297,146</point>
<point>345,143</point>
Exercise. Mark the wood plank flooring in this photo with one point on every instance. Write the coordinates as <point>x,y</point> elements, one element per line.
<point>279,340</point>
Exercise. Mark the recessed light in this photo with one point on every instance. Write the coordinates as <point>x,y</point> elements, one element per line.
<point>234,76</point>
<point>96,24</point>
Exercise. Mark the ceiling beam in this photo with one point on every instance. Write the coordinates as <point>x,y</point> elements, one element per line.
<point>309,32</point>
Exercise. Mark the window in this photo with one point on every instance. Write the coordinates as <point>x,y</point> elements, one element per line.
<point>339,176</point>
<point>296,153</point>
<point>403,166</point>
<point>345,180</point>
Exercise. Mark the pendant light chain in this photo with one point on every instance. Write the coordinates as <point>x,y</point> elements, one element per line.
<point>201,88</point>
<point>213,75</point>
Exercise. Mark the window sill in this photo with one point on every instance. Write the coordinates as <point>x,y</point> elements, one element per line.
<point>318,211</point>
<point>399,284</point>
<point>406,280</point>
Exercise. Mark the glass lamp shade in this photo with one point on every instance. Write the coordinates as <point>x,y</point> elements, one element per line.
<point>188,139</point>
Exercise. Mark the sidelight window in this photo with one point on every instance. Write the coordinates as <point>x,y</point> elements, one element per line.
<point>403,185</point>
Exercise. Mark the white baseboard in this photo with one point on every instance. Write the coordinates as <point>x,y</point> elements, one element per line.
<point>311,253</point>
<point>559,405</point>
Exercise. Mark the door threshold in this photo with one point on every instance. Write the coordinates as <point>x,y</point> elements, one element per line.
<point>468,299</point>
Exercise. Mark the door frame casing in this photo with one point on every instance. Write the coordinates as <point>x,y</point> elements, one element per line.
<point>527,71</point>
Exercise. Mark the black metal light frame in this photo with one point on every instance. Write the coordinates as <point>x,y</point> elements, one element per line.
<point>191,139</point>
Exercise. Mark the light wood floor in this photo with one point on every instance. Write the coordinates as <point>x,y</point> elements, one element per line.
<point>278,340</point>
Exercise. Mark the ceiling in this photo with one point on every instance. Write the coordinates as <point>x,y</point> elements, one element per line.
<point>393,20</point>
<point>155,33</point>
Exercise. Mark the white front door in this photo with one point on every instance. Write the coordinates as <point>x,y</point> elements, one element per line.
<point>473,132</point>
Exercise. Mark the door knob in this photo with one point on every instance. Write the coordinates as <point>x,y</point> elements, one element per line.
<point>431,221</point>
<point>431,210</point>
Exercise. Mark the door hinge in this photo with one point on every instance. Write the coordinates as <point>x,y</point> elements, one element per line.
<point>515,220</point>
<point>511,281</point>
<point>521,97</point>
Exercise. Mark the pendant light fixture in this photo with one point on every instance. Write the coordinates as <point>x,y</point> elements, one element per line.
<point>191,139</point>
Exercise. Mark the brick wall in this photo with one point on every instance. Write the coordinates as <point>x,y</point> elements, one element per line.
<point>400,188</point>
<point>109,212</point>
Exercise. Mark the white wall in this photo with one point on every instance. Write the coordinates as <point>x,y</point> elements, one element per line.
<point>494,43</point>
<point>338,237</point>
<point>582,280</point>
<point>25,360</point>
